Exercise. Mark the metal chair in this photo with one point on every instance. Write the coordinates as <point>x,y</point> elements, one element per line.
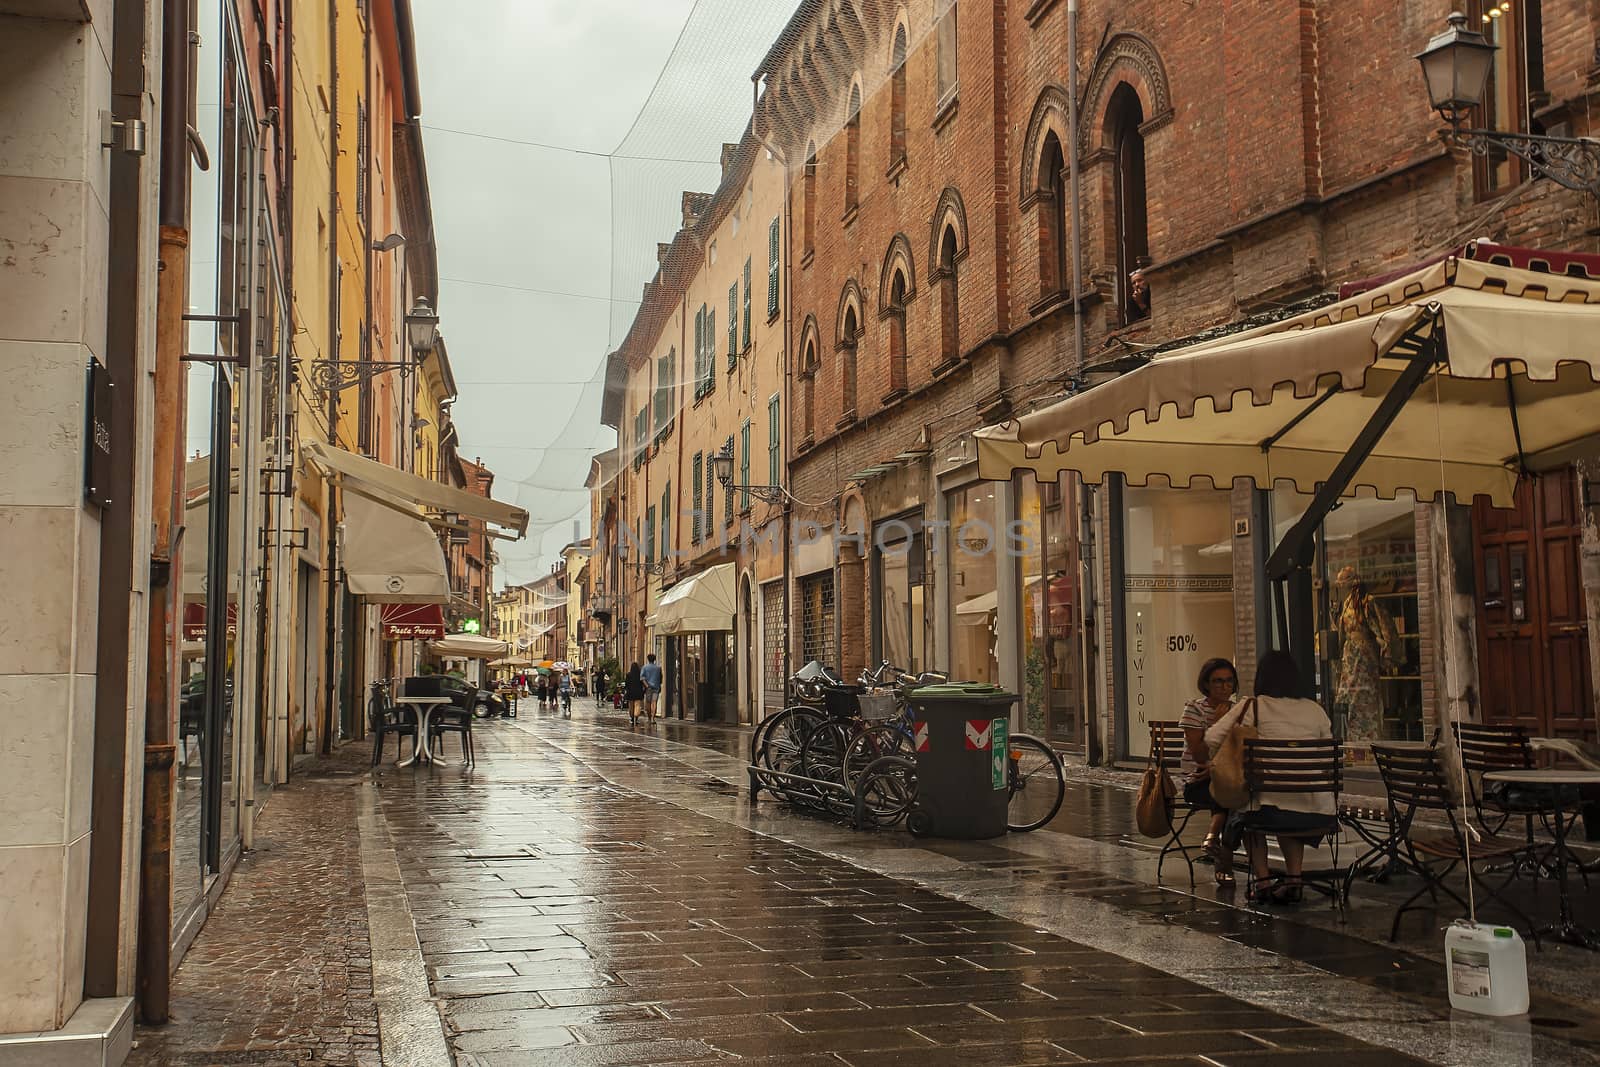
<point>448,719</point>
<point>1166,748</point>
<point>1308,766</point>
<point>1415,782</point>
<point>383,719</point>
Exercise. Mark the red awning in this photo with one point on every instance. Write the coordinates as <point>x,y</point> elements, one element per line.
<point>194,621</point>
<point>407,622</point>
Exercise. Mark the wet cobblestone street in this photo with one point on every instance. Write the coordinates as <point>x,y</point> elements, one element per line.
<point>591,895</point>
<point>566,920</point>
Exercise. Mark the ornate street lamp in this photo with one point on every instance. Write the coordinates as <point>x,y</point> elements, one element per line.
<point>1456,67</point>
<point>722,462</point>
<point>422,333</point>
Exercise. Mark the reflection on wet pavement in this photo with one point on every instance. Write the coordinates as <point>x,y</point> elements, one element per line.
<point>1094,889</point>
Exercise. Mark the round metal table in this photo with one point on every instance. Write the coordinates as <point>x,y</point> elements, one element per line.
<point>1566,928</point>
<point>423,706</point>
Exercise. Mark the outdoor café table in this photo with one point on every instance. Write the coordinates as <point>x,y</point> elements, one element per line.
<point>1566,928</point>
<point>424,707</point>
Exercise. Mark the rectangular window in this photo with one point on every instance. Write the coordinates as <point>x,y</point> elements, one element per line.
<point>774,441</point>
<point>694,517</point>
<point>699,349</point>
<point>666,521</point>
<point>948,80</point>
<point>744,464</point>
<point>746,303</point>
<point>664,375</point>
<point>974,571</point>
<point>650,534</point>
<point>727,492</point>
<point>899,632</point>
<point>772,269</point>
<point>361,159</point>
<point>709,382</point>
<point>733,324</point>
<point>711,498</point>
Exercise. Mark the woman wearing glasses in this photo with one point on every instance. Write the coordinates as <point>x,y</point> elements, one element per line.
<point>1218,684</point>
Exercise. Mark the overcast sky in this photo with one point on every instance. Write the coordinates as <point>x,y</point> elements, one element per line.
<point>655,78</point>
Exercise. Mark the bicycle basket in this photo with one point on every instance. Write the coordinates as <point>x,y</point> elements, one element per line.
<point>876,707</point>
<point>841,702</point>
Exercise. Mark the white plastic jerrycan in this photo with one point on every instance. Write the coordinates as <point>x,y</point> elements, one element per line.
<point>1487,969</point>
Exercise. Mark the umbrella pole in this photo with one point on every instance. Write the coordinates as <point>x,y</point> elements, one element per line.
<point>1289,566</point>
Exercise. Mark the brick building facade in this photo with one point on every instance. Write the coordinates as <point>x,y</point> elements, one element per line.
<point>1232,163</point>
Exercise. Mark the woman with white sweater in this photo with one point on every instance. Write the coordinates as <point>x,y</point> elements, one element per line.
<point>1280,711</point>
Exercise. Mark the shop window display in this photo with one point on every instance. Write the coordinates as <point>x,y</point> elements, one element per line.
<point>1177,589</point>
<point>974,561</point>
<point>1369,644</point>
<point>1048,566</point>
<point>899,631</point>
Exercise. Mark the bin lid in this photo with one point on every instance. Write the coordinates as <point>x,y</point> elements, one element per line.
<point>976,691</point>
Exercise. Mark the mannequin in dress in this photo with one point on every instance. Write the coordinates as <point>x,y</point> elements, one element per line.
<point>1366,646</point>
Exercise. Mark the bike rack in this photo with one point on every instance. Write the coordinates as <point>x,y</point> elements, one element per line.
<point>814,793</point>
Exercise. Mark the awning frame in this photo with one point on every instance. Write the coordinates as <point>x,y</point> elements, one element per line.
<point>1289,566</point>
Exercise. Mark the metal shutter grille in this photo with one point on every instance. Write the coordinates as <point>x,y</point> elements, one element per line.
<point>772,680</point>
<point>816,619</point>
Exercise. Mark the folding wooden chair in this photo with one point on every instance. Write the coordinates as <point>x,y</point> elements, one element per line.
<point>1415,782</point>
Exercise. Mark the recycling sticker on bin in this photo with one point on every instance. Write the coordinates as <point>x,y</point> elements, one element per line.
<point>1000,733</point>
<point>922,737</point>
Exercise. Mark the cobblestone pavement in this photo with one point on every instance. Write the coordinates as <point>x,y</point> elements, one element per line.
<point>280,974</point>
<point>567,919</point>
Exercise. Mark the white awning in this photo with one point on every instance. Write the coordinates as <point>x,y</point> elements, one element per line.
<point>469,646</point>
<point>1518,390</point>
<point>390,486</point>
<point>706,601</point>
<point>391,558</point>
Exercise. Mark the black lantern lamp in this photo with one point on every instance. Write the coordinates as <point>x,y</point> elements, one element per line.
<point>1456,67</point>
<point>722,463</point>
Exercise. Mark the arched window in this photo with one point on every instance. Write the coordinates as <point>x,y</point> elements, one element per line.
<point>808,388</point>
<point>1124,116</point>
<point>852,151</point>
<point>808,197</point>
<point>897,99</point>
<point>847,365</point>
<point>949,314</point>
<point>1052,211</point>
<point>897,336</point>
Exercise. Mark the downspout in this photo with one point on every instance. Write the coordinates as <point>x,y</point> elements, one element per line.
<point>1094,748</point>
<point>154,972</point>
<point>330,521</point>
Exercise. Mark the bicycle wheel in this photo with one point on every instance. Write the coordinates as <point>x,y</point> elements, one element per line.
<point>885,790</point>
<point>822,755</point>
<point>873,743</point>
<point>781,744</point>
<point>1037,782</point>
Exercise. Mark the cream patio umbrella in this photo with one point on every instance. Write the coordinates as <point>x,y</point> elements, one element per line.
<point>1460,377</point>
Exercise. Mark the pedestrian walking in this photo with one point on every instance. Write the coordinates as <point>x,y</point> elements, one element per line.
<point>566,694</point>
<point>651,676</point>
<point>540,689</point>
<point>633,692</point>
<point>599,684</point>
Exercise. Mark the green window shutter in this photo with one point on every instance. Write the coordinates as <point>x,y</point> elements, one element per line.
<point>774,437</point>
<point>711,498</point>
<point>733,324</point>
<point>666,521</point>
<point>727,492</point>
<point>744,462</point>
<point>772,268</point>
<point>650,534</point>
<point>711,349</point>
<point>747,302</point>
<point>694,537</point>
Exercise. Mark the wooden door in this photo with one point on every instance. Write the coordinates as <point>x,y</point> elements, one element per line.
<point>1532,635</point>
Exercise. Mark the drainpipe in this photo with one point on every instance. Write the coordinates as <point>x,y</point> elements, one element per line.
<point>330,521</point>
<point>153,984</point>
<point>1076,191</point>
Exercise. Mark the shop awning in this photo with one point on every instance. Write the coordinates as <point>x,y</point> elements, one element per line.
<point>706,601</point>
<point>512,661</point>
<point>469,646</point>
<point>391,556</point>
<point>1511,359</point>
<point>411,622</point>
<point>390,486</point>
